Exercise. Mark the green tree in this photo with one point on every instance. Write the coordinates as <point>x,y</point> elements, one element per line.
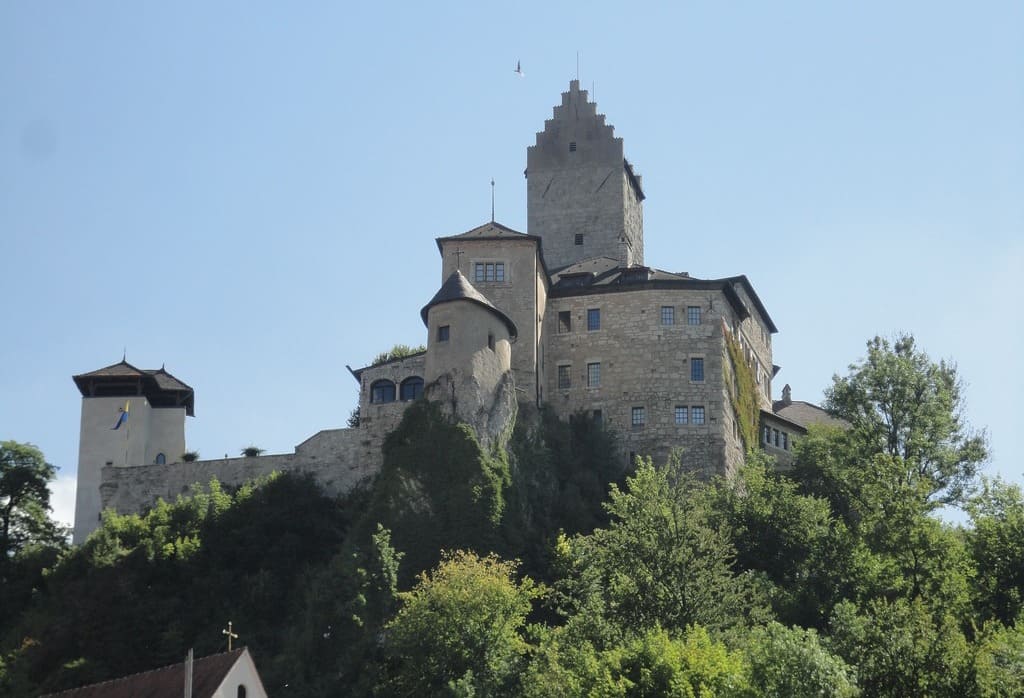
<point>660,562</point>
<point>651,664</point>
<point>399,351</point>
<point>25,478</point>
<point>901,403</point>
<point>996,541</point>
<point>903,650</point>
<point>792,662</point>
<point>999,661</point>
<point>460,628</point>
<point>783,535</point>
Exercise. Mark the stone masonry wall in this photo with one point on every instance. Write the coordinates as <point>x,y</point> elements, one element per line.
<point>338,459</point>
<point>646,364</point>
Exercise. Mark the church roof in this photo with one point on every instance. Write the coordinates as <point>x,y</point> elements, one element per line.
<point>458,288</point>
<point>124,380</point>
<point>606,275</point>
<point>208,674</point>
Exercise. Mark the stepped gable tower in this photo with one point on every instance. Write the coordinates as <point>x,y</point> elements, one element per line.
<point>130,416</point>
<point>583,198</point>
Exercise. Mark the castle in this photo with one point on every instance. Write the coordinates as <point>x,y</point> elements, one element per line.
<point>568,315</point>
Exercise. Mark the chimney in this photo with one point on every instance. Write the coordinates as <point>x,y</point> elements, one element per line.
<point>787,397</point>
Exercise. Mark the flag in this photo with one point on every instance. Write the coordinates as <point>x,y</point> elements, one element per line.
<point>122,418</point>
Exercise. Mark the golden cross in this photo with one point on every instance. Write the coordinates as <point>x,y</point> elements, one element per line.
<point>231,635</point>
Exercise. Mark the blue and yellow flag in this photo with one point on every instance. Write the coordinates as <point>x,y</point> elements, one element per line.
<point>122,418</point>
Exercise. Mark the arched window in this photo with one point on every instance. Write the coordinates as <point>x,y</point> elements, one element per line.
<point>160,459</point>
<point>241,691</point>
<point>382,391</point>
<point>412,388</point>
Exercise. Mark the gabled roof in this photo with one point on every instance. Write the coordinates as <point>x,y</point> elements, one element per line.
<point>492,230</point>
<point>489,231</point>
<point>805,413</point>
<point>458,288</point>
<point>167,682</point>
<point>125,380</point>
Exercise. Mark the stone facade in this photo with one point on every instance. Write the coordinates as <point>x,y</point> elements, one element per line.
<point>566,316</point>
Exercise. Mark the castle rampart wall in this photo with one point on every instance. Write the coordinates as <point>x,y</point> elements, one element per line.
<point>338,458</point>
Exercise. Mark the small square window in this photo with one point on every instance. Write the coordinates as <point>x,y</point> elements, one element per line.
<point>682,414</point>
<point>637,418</point>
<point>443,332</point>
<point>697,370</point>
<point>593,375</point>
<point>579,238</point>
<point>697,414</point>
<point>668,315</point>
<point>564,377</point>
<point>693,315</point>
<point>593,319</point>
<point>564,321</point>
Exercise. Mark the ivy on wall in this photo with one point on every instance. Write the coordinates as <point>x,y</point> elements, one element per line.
<point>742,391</point>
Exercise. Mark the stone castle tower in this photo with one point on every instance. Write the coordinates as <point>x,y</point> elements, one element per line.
<point>130,416</point>
<point>583,198</point>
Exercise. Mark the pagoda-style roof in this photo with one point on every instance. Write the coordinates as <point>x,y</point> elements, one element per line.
<point>122,379</point>
<point>458,288</point>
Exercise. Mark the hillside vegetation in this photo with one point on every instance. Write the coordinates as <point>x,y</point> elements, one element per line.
<point>547,570</point>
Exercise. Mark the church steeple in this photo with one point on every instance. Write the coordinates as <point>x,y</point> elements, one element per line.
<point>583,198</point>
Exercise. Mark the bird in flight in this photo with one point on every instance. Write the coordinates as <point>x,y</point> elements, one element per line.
<point>519,70</point>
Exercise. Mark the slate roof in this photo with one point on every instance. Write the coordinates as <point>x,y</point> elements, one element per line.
<point>123,379</point>
<point>604,275</point>
<point>166,682</point>
<point>458,288</point>
<point>805,413</point>
<point>492,230</point>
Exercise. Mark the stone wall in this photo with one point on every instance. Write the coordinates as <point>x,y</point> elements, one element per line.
<point>576,186</point>
<point>644,364</point>
<point>338,459</point>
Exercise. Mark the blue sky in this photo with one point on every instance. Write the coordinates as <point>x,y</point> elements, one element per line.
<point>249,192</point>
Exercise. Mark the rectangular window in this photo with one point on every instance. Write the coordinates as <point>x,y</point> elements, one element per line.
<point>564,377</point>
<point>442,333</point>
<point>564,321</point>
<point>682,414</point>
<point>598,418</point>
<point>775,432</point>
<point>668,315</point>
<point>785,441</point>
<point>693,315</point>
<point>593,319</point>
<point>637,418</point>
<point>579,238</point>
<point>697,414</point>
<point>594,375</point>
<point>697,370</point>
<point>489,271</point>
<point>768,435</point>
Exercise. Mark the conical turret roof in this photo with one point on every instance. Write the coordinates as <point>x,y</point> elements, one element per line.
<point>458,288</point>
